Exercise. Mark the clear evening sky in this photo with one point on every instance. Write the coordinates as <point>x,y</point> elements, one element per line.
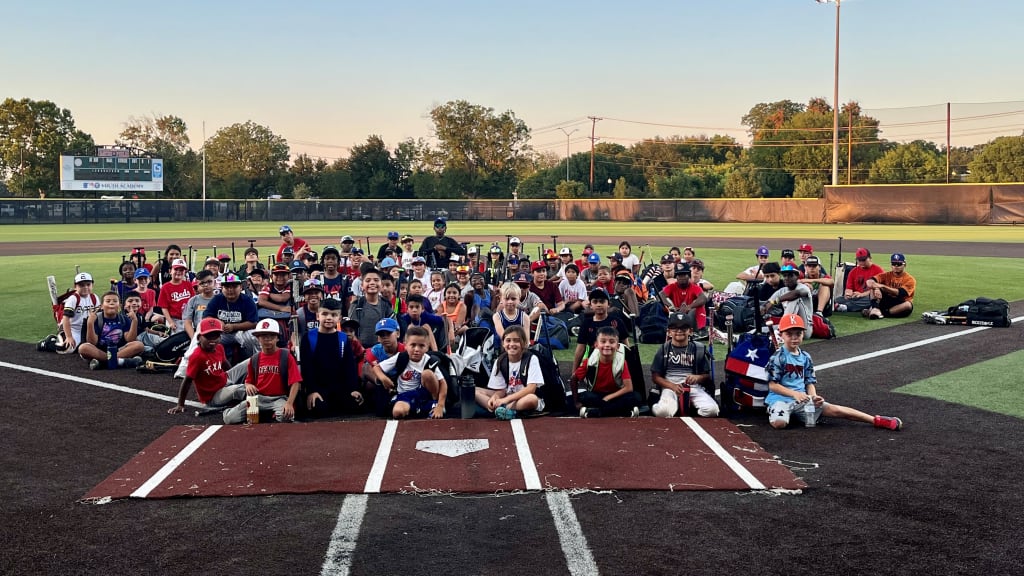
<point>331,73</point>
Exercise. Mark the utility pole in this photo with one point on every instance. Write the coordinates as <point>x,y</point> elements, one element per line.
<point>593,139</point>
<point>567,134</point>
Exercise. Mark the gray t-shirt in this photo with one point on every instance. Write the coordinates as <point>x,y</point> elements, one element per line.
<point>675,363</point>
<point>802,306</point>
<point>368,315</point>
<point>194,309</point>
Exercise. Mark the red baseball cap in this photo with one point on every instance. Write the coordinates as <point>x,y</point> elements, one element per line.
<point>538,265</point>
<point>209,325</point>
<point>862,254</point>
<point>806,248</point>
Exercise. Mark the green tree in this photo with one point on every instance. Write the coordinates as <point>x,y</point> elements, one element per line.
<point>373,170</point>
<point>808,187</point>
<point>488,149</point>
<point>572,189</point>
<point>247,153</point>
<point>742,182</point>
<point>33,135</point>
<point>912,163</point>
<point>167,137</point>
<point>1001,160</point>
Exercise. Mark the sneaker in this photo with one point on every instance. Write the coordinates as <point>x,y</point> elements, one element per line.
<point>584,412</point>
<point>635,412</point>
<point>888,422</point>
<point>133,362</point>
<point>875,314</point>
<point>840,308</point>
<point>95,364</point>
<point>504,413</point>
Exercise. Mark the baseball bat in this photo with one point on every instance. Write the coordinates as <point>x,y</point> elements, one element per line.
<point>234,258</point>
<point>840,249</point>
<point>188,257</point>
<point>369,249</point>
<point>554,242</point>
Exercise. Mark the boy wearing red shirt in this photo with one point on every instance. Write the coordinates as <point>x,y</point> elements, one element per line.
<point>206,368</point>
<point>607,379</point>
<point>684,296</point>
<point>264,380</point>
<point>175,294</point>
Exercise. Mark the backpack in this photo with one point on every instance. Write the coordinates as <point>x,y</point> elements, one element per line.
<point>980,312</point>
<point>313,335</point>
<point>746,384</point>
<point>743,311</point>
<point>553,391</point>
<point>652,323</point>
<point>700,356</point>
<point>555,333</point>
<point>254,360</point>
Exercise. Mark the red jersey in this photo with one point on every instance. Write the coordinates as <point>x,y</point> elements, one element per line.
<point>207,371</point>
<point>297,246</point>
<point>268,374</point>
<point>857,278</point>
<point>173,298</point>
<point>604,382</point>
<point>148,301</point>
<point>679,296</point>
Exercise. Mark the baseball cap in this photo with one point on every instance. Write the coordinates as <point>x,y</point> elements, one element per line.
<point>677,321</point>
<point>223,256</point>
<point>440,222</point>
<point>762,251</point>
<point>624,277</point>
<point>330,250</point>
<point>789,269</point>
<point>597,294</point>
<point>210,325</point>
<point>179,263</point>
<point>388,263</point>
<point>615,256</point>
<point>495,249</point>
<point>770,268</point>
<point>788,253</point>
<point>346,321</point>
<point>565,251</point>
<point>251,250</point>
<point>862,254</point>
<point>550,254</point>
<point>419,260</point>
<point>682,268</point>
<point>454,258</point>
<point>138,251</point>
<point>538,265</point>
<point>141,272</point>
<point>346,239</point>
<point>298,265</point>
<point>588,250</point>
<point>310,255</point>
<point>357,250</point>
<point>259,271</point>
<point>284,229</point>
<point>288,250</point>
<point>898,257</point>
<point>213,260</point>
<point>407,238</point>
<point>392,235</point>
<point>805,247</point>
<point>231,278</point>
<point>697,263</point>
<point>812,261</point>
<point>84,277</point>
<point>791,321</point>
<point>280,269</point>
<point>522,278</point>
<point>594,258</point>
<point>471,250</point>
<point>515,240</point>
<point>462,269</point>
<point>266,326</point>
<point>312,285</point>
<point>513,259</point>
<point>668,259</point>
<point>388,325</point>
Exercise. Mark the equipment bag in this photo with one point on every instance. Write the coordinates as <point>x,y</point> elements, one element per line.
<point>652,323</point>
<point>743,310</point>
<point>980,312</point>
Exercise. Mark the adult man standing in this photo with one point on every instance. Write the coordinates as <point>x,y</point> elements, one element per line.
<point>892,293</point>
<point>856,295</point>
<point>437,249</point>
<point>288,240</point>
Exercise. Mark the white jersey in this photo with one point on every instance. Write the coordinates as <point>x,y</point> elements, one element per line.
<point>570,292</point>
<point>79,309</point>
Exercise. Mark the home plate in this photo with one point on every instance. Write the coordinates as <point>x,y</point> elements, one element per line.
<point>453,448</point>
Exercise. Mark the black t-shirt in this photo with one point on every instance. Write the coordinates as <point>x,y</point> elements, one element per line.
<point>589,327</point>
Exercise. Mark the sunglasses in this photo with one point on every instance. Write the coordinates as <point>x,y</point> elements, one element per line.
<point>808,265</point>
<point>898,263</point>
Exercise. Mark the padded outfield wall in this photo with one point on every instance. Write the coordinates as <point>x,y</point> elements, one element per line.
<point>926,203</point>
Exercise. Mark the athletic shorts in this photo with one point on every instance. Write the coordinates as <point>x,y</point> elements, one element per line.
<point>419,401</point>
<point>782,411</point>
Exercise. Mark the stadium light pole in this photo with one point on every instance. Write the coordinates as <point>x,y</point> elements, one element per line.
<point>204,170</point>
<point>567,135</point>
<point>835,100</point>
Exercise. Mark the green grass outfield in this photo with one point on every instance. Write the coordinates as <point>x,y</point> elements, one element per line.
<point>992,385</point>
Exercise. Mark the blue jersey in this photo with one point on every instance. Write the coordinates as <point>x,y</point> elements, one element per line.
<point>794,371</point>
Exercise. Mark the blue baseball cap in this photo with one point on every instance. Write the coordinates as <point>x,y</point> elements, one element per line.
<point>762,251</point>
<point>392,235</point>
<point>298,265</point>
<point>594,258</point>
<point>284,229</point>
<point>388,263</point>
<point>788,268</point>
<point>896,257</point>
<point>141,272</point>
<point>440,222</point>
<point>513,259</point>
<point>388,325</point>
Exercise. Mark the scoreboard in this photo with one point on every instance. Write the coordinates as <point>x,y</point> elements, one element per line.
<point>112,173</point>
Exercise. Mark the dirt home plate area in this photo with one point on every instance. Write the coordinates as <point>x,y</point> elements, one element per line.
<point>99,479</point>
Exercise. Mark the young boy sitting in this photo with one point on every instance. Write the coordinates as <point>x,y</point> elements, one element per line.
<point>274,391</point>
<point>418,385</point>
<point>329,376</point>
<point>681,368</point>
<point>792,384</point>
<point>607,379</point>
<point>110,337</point>
<point>515,379</point>
<point>206,368</point>
<point>77,307</point>
<point>417,315</point>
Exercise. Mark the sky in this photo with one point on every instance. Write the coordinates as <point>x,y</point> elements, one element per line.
<point>327,74</point>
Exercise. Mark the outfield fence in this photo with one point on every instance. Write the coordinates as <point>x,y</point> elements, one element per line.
<point>912,203</point>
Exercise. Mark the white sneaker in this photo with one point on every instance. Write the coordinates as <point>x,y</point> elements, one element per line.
<point>635,412</point>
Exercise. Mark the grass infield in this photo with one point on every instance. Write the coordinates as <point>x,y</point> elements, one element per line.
<point>992,385</point>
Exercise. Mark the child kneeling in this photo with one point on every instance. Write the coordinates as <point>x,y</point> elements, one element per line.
<point>792,384</point>
<point>607,379</point>
<point>515,379</point>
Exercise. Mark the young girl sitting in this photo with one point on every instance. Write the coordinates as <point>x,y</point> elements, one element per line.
<point>515,379</point>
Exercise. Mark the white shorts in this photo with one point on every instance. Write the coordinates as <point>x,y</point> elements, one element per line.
<point>781,411</point>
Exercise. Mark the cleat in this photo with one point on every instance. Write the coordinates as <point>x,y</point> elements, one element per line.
<point>888,422</point>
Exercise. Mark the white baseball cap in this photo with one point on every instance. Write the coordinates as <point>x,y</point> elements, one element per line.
<point>266,326</point>
<point>565,251</point>
<point>515,240</point>
<point>179,263</point>
<point>83,277</point>
<point>471,250</point>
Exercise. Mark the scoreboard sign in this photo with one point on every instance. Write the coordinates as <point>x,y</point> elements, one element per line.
<point>111,172</point>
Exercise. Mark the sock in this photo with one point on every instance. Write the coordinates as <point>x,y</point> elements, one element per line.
<point>120,362</point>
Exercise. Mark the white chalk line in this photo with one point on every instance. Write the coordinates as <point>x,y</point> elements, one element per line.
<point>525,456</point>
<point>172,464</point>
<point>380,461</point>
<point>724,455</point>
<point>342,546</point>
<point>578,557</point>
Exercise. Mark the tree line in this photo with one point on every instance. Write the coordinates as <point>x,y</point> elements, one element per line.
<point>476,152</point>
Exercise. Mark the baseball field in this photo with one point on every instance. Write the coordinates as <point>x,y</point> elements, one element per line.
<point>938,497</point>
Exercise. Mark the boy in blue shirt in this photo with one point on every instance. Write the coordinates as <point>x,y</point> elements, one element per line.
<point>792,384</point>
